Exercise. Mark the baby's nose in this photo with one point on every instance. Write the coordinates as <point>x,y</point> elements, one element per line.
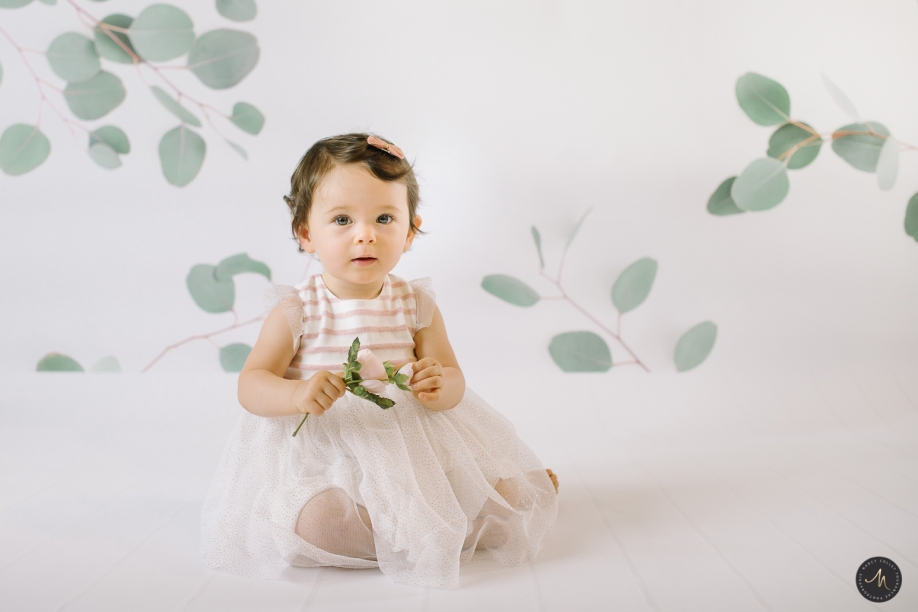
<point>365,233</point>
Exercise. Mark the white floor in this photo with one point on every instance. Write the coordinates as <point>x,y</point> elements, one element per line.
<point>711,490</point>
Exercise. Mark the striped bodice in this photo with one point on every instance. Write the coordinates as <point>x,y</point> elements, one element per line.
<point>385,324</point>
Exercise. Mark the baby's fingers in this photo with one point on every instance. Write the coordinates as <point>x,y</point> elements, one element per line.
<point>430,372</point>
<point>434,382</point>
<point>429,395</point>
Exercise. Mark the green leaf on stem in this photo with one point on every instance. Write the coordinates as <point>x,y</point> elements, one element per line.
<point>58,362</point>
<point>537,238</point>
<point>580,351</point>
<point>181,155</point>
<point>73,57</point>
<point>633,285</point>
<point>233,356</point>
<point>510,289</point>
<point>13,3</point>
<point>762,185</point>
<point>721,202</point>
<point>911,217</point>
<point>861,150</point>
<point>237,264</point>
<point>238,149</point>
<point>161,32</point>
<point>108,48</point>
<point>95,97</point>
<point>106,364</point>
<point>104,155</point>
<point>209,292</point>
<point>695,345</point>
<point>789,136</point>
<point>174,107</point>
<point>841,99</point>
<point>237,10</point>
<point>247,118</point>
<point>888,164</point>
<point>352,352</point>
<point>23,148</point>
<point>764,101</point>
<point>113,137</point>
<point>222,58</point>
<point>576,229</point>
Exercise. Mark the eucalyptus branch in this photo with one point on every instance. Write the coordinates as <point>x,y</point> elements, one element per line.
<point>235,325</point>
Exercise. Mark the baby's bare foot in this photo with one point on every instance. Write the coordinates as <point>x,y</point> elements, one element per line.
<point>554,479</point>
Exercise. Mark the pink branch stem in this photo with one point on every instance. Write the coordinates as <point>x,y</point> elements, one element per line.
<point>235,325</point>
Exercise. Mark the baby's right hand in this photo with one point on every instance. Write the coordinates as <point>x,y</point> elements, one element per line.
<point>317,393</point>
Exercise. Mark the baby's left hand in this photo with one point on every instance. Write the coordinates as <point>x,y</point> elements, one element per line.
<point>427,380</point>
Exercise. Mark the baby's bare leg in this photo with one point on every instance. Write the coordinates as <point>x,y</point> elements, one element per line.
<point>333,522</point>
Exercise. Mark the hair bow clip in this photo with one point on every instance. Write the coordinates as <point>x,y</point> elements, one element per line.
<point>388,147</point>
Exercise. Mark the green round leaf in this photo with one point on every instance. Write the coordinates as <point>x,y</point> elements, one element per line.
<point>209,293</point>
<point>113,137</point>
<point>23,148</point>
<point>721,202</point>
<point>633,285</point>
<point>580,351</point>
<point>247,118</point>
<point>174,107</point>
<point>233,356</point>
<point>789,136</point>
<point>95,97</point>
<point>762,185</point>
<point>161,32</point>
<point>222,58</point>
<point>181,154</point>
<point>58,362</point>
<point>106,364</point>
<point>238,149</point>
<point>236,264</point>
<point>104,155</point>
<point>73,57</point>
<point>765,101</point>
<point>860,150</point>
<point>48,2</point>
<point>108,48</point>
<point>695,345</point>
<point>510,289</point>
<point>911,217</point>
<point>237,10</point>
<point>888,164</point>
<point>13,3</point>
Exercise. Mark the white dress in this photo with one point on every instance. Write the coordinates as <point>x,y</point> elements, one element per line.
<point>425,479</point>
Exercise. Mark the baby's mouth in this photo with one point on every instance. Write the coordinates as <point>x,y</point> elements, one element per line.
<point>363,261</point>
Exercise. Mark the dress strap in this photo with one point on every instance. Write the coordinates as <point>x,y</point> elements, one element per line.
<point>426,299</point>
<point>288,297</point>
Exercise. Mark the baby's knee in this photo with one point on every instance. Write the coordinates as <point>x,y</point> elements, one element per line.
<point>333,522</point>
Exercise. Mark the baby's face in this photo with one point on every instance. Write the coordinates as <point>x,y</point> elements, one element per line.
<point>358,225</point>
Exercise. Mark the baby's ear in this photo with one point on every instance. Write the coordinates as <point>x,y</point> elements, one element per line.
<point>302,234</point>
<point>411,231</point>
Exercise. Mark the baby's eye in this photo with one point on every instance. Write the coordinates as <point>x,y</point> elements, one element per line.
<point>384,219</point>
<point>341,220</point>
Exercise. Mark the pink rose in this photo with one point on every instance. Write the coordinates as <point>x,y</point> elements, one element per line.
<point>373,386</point>
<point>372,367</point>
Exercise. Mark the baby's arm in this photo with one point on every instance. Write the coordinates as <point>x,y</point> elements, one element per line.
<point>438,382</point>
<point>263,391</point>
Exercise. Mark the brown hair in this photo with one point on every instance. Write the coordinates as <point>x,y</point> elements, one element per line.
<point>326,154</point>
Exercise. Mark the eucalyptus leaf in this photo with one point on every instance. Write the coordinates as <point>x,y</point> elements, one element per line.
<point>247,118</point>
<point>233,356</point>
<point>58,362</point>
<point>721,202</point>
<point>888,164</point>
<point>510,289</point>
<point>789,136</point>
<point>161,32</point>
<point>23,148</point>
<point>762,185</point>
<point>840,98</point>
<point>113,137</point>
<point>237,264</point>
<point>181,154</point>
<point>237,10</point>
<point>13,3</point>
<point>238,149</point>
<point>765,101</point>
<point>576,229</point>
<point>537,238</point>
<point>73,57</point>
<point>174,107</point>
<point>911,217</point>
<point>861,150</point>
<point>695,345</point>
<point>211,294</point>
<point>580,351</point>
<point>48,2</point>
<point>222,58</point>
<point>106,364</point>
<point>95,97</point>
<point>104,155</point>
<point>633,285</point>
<point>108,48</point>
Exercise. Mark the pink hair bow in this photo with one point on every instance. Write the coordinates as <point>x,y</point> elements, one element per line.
<point>388,147</point>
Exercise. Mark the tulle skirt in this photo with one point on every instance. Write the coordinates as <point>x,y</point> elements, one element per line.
<point>425,480</point>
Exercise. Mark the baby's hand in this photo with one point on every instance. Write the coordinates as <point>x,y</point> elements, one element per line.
<point>317,393</point>
<point>427,380</point>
